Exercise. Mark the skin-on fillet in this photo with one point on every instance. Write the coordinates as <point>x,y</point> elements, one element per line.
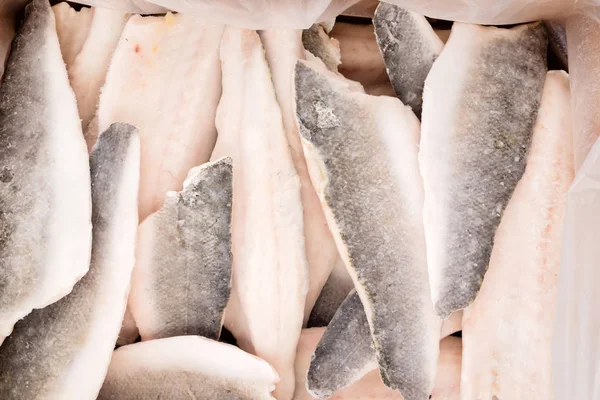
<point>507,331</point>
<point>447,382</point>
<point>45,228</point>
<point>181,282</point>
<point>347,137</point>
<point>319,44</point>
<point>187,367</point>
<point>345,353</point>
<point>72,28</point>
<point>480,103</point>
<point>361,58</point>
<point>270,276</point>
<point>165,78</point>
<point>283,48</point>
<point>409,46</point>
<point>63,350</point>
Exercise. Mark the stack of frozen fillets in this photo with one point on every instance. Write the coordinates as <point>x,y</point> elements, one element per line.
<point>371,210</point>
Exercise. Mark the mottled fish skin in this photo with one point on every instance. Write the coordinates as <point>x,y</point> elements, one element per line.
<point>481,102</point>
<point>346,137</point>
<point>557,36</point>
<point>186,367</point>
<point>182,280</point>
<point>409,46</point>
<point>319,44</point>
<point>63,350</point>
<point>345,353</point>
<point>45,200</point>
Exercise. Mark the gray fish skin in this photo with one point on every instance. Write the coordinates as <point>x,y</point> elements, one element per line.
<point>409,46</point>
<point>480,107</point>
<point>319,44</point>
<point>345,353</point>
<point>63,350</point>
<point>182,280</point>
<point>333,294</point>
<point>45,200</point>
<point>346,137</point>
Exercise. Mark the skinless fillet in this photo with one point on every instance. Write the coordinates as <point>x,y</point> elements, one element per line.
<point>45,234</point>
<point>361,58</point>
<point>187,367</point>
<point>283,48</point>
<point>480,103</point>
<point>507,331</point>
<point>409,46</point>
<point>182,278</point>
<point>447,382</point>
<point>270,276</point>
<point>335,290</point>
<point>63,351</point>
<point>165,78</point>
<point>346,138</point>
<point>72,28</point>
<point>345,353</point>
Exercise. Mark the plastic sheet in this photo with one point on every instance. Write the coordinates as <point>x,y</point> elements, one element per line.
<point>576,341</point>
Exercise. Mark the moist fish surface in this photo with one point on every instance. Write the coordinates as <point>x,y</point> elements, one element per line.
<point>346,138</point>
<point>507,331</point>
<point>63,350</point>
<point>447,382</point>
<point>480,104</point>
<point>45,228</point>
<point>270,274</point>
<point>409,46</point>
<point>283,47</point>
<point>186,367</point>
<point>182,279</point>
<point>345,353</point>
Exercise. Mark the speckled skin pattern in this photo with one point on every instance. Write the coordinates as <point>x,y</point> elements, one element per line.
<point>317,42</point>
<point>376,222</point>
<point>493,126</point>
<point>35,358</point>
<point>343,352</point>
<point>407,53</point>
<point>190,266</point>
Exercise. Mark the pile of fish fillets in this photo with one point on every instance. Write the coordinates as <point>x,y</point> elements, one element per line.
<point>342,200</point>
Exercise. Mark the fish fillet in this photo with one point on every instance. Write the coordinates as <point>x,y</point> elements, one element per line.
<point>480,103</point>
<point>270,276</point>
<point>182,278</point>
<point>187,367</point>
<point>283,48</point>
<point>447,382</point>
<point>72,28</point>
<point>319,44</point>
<point>361,58</point>
<point>165,78</point>
<point>346,138</point>
<point>63,351</point>
<point>409,46</point>
<point>45,228</point>
<point>508,329</point>
<point>345,353</point>
<point>87,72</point>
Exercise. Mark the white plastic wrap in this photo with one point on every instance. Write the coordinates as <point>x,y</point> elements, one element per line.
<point>576,342</point>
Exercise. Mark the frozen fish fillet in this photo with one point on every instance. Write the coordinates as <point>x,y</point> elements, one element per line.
<point>270,275</point>
<point>182,278</point>
<point>507,330</point>
<point>45,179</point>
<point>63,350</point>
<point>319,44</point>
<point>72,28</point>
<point>346,138</point>
<point>447,382</point>
<point>187,367</point>
<point>345,353</point>
<point>283,47</point>
<point>480,104</point>
<point>409,46</point>
<point>165,78</point>
<point>361,58</point>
